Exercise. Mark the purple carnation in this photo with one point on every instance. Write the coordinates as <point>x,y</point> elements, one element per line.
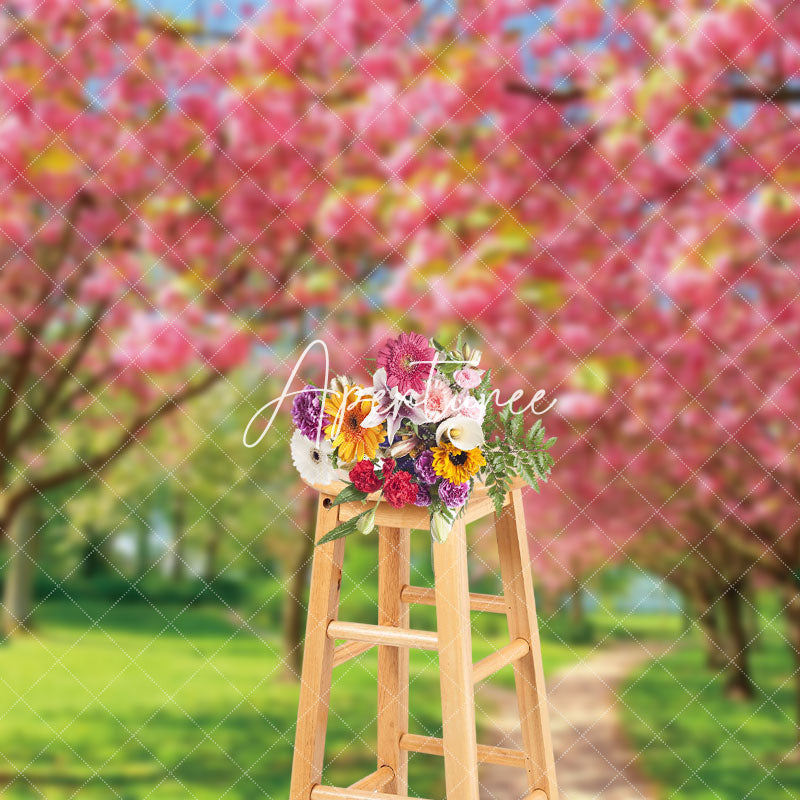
<point>454,495</point>
<point>306,411</point>
<point>423,466</point>
<point>423,496</point>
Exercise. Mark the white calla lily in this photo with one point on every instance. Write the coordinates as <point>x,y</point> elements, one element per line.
<point>463,432</point>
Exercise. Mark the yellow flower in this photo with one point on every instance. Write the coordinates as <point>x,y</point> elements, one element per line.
<point>457,466</point>
<point>347,409</point>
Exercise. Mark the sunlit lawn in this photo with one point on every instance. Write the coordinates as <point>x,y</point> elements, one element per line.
<point>139,703</point>
<point>699,745</point>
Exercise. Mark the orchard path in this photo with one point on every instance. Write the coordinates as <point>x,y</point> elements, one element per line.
<point>594,761</point>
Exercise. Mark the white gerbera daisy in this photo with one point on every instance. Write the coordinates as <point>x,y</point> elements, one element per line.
<point>312,462</point>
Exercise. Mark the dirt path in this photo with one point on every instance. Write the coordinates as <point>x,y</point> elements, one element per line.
<point>593,759</point>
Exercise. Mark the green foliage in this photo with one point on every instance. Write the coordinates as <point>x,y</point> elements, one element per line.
<point>511,450</point>
<point>154,589</point>
<point>344,528</point>
<point>205,699</point>
<point>700,745</point>
<point>561,628</point>
<point>348,495</point>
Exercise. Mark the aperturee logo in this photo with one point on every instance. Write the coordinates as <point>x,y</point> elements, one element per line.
<point>427,429</point>
<point>427,402</point>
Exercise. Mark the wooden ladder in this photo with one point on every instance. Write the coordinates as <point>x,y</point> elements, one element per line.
<point>452,640</point>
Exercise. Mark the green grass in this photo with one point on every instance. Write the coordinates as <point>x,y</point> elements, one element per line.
<point>699,745</point>
<point>139,703</point>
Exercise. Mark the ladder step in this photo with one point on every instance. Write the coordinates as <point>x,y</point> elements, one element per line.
<point>383,634</point>
<point>477,602</point>
<point>331,793</point>
<point>345,652</point>
<point>518,649</point>
<point>487,754</point>
<point>375,781</point>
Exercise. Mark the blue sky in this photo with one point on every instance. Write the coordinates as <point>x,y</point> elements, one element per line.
<point>219,15</point>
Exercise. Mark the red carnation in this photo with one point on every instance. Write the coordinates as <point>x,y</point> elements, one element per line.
<point>364,478</point>
<point>399,490</point>
<point>388,467</point>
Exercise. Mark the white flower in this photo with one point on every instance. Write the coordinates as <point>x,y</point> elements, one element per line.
<point>313,463</point>
<point>403,447</point>
<point>472,357</point>
<point>463,432</point>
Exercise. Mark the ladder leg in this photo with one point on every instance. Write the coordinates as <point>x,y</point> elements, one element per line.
<point>455,665</point>
<point>394,572</point>
<point>512,542</point>
<point>315,685</point>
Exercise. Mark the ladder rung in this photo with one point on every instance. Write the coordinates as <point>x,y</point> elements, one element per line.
<point>375,781</point>
<point>512,652</point>
<point>331,793</point>
<point>344,652</point>
<point>477,602</point>
<point>383,634</point>
<point>487,754</point>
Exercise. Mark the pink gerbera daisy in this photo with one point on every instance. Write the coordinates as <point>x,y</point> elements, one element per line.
<point>408,362</point>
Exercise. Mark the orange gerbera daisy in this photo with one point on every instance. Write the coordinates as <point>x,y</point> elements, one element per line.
<point>347,410</point>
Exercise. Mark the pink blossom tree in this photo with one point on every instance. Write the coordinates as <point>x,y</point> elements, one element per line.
<point>169,202</point>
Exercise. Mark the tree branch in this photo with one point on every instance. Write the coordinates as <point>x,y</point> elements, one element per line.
<point>65,371</point>
<point>754,94</point>
<point>557,96</point>
<point>100,461</point>
<point>32,331</point>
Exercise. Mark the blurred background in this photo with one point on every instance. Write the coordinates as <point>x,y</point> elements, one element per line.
<point>601,196</point>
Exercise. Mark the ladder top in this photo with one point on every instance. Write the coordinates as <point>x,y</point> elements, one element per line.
<point>479,506</point>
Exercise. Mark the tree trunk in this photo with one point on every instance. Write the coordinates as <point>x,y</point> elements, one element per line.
<point>142,546</point>
<point>576,610</point>
<point>295,608</point>
<point>178,546</point>
<point>708,622</point>
<point>715,648</point>
<point>95,561</point>
<point>740,683</point>
<point>213,543</point>
<point>20,571</point>
<point>792,615</point>
<point>751,618</point>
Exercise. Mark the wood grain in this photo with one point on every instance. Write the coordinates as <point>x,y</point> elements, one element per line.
<point>506,655</point>
<point>383,634</point>
<point>487,754</point>
<point>376,781</point>
<point>331,793</point>
<point>455,665</point>
<point>494,604</point>
<point>315,681</point>
<point>349,650</point>
<point>394,571</point>
<point>512,543</point>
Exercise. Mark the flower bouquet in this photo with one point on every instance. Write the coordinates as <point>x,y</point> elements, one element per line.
<point>422,434</point>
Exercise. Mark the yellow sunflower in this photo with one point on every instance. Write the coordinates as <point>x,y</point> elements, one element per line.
<point>457,466</point>
<point>346,410</point>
